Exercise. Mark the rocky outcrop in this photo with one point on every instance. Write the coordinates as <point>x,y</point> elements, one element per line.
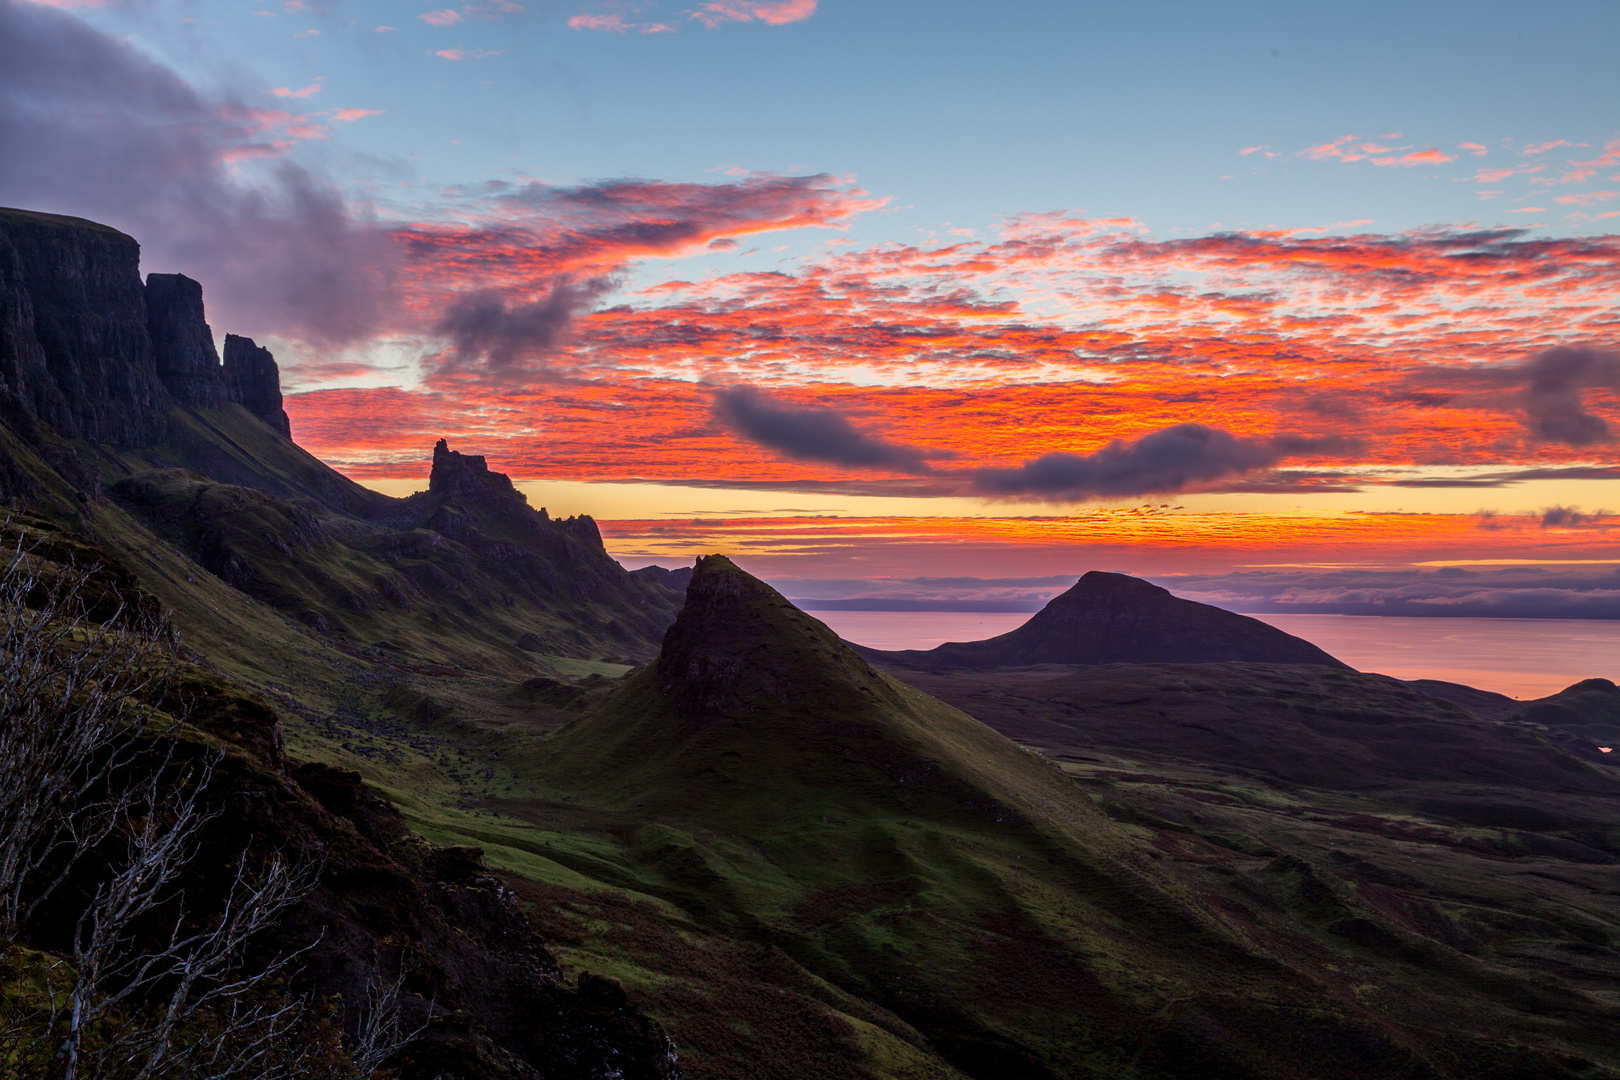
<point>466,476</point>
<point>75,350</point>
<point>1118,619</point>
<point>466,479</point>
<point>182,342</point>
<point>253,381</point>
<point>95,354</point>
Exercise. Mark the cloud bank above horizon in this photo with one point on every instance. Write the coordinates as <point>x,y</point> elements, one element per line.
<point>754,328</point>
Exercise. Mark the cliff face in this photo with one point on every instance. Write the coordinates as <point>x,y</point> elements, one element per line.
<point>74,344</point>
<point>253,381</point>
<point>95,354</point>
<point>182,343</point>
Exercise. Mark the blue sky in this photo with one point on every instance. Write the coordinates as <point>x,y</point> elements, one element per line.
<point>958,112</point>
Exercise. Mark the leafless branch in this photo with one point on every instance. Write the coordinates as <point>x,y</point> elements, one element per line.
<point>70,721</point>
<point>381,1036</point>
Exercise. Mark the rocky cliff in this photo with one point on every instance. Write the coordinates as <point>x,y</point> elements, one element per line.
<point>95,354</point>
<point>75,350</point>
<point>253,381</point>
<point>182,342</point>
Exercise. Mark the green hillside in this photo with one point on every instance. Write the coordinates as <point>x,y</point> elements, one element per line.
<point>961,894</point>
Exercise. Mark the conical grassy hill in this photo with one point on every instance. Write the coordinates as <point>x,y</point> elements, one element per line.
<point>963,905</point>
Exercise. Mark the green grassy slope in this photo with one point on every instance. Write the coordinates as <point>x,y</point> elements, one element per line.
<point>771,785</point>
<point>1458,875</point>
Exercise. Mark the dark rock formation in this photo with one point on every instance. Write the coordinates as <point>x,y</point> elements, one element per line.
<point>74,345</point>
<point>182,343</point>
<point>466,479</point>
<point>466,476</point>
<point>253,381</point>
<point>95,354</point>
<point>1118,619</point>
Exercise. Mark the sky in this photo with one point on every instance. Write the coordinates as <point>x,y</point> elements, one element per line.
<point>877,297</point>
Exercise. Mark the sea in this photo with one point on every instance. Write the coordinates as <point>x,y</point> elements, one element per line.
<point>1522,658</point>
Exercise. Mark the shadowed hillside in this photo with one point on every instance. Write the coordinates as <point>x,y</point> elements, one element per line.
<point>768,782</point>
<point>1113,619</point>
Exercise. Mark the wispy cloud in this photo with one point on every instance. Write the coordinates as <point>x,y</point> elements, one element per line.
<point>777,13</point>
<point>1534,149</point>
<point>306,92</point>
<point>615,24</point>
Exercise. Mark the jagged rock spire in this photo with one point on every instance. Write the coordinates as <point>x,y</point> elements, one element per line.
<point>182,343</point>
<point>253,381</point>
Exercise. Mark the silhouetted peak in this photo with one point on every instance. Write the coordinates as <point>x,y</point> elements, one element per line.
<point>676,579</point>
<point>739,648</point>
<point>1115,618</point>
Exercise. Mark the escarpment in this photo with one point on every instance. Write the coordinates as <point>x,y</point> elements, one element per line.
<point>75,350</point>
<point>96,354</point>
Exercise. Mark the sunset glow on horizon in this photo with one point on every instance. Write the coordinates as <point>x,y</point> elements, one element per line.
<point>1397,345</point>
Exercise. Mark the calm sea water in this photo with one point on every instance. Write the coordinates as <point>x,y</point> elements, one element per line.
<point>1523,658</point>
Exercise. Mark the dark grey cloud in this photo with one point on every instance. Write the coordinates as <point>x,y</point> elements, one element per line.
<point>1505,479</point>
<point>1177,458</point>
<point>814,434</point>
<point>1553,407</point>
<point>91,127</point>
<point>1547,391</point>
<point>509,339</point>
<point>1568,517</point>
<point>1517,592</point>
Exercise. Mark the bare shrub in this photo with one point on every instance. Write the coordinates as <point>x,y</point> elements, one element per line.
<point>71,722</point>
<point>95,787</point>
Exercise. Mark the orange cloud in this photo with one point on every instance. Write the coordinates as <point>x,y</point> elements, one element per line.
<point>1141,540</point>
